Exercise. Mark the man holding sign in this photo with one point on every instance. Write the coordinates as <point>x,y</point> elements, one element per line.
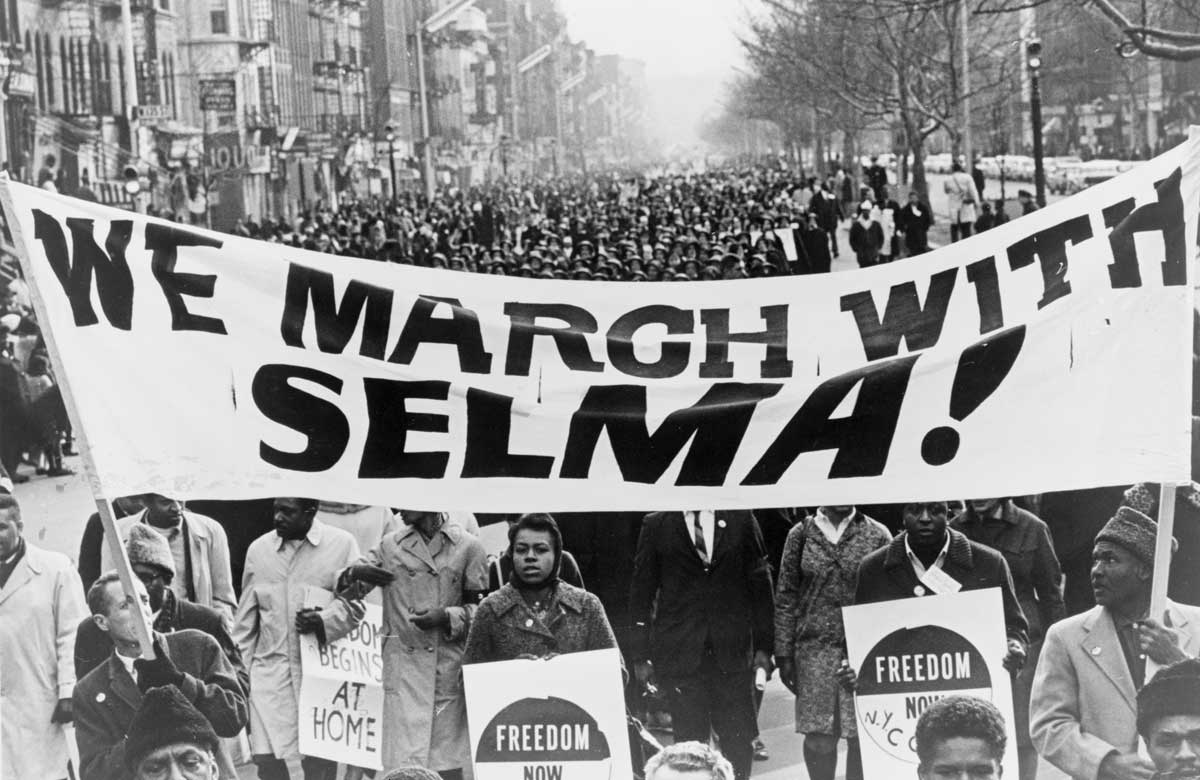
<point>930,558</point>
<point>1082,713</point>
<point>281,566</point>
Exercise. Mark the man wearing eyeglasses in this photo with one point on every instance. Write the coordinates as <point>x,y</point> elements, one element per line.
<point>929,558</point>
<point>152,562</point>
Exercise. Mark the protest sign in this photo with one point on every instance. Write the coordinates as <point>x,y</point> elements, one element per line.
<point>1013,362</point>
<point>341,691</point>
<point>905,662</point>
<point>562,719</point>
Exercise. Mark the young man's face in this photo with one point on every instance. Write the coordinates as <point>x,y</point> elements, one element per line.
<point>925,524</point>
<point>959,757</point>
<point>1174,744</point>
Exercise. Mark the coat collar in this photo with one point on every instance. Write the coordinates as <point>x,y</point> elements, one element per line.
<point>509,598</point>
<point>959,554</point>
<point>119,681</point>
<point>32,563</point>
<point>409,538</point>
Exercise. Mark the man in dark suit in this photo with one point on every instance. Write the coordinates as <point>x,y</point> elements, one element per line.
<point>107,699</point>
<point>702,607</point>
<point>921,558</point>
<point>152,563</point>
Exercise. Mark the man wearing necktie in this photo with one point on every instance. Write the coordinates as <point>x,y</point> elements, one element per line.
<point>702,606</point>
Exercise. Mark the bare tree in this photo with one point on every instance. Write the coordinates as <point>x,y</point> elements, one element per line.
<point>1173,35</point>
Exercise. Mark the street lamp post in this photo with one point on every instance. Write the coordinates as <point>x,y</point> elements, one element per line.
<point>391,139</point>
<point>431,25</point>
<point>1033,61</point>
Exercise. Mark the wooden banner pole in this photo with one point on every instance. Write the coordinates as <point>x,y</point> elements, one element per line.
<point>103,505</point>
<point>1162,550</point>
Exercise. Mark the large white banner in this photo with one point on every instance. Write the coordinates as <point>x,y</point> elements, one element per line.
<point>906,660</point>
<point>341,692</point>
<point>561,719</point>
<point>1051,353</point>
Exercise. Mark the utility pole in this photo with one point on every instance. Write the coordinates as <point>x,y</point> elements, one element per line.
<point>968,151</point>
<point>131,83</point>
<point>426,146</point>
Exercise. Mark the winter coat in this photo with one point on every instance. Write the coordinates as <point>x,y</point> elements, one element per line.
<point>1024,541</point>
<point>866,241</point>
<point>505,628</point>
<point>273,591</point>
<point>1084,702</point>
<point>963,198</point>
<point>816,580</point>
<point>424,711</point>
<point>212,580</point>
<point>40,606</point>
<point>107,699</point>
<point>887,574</point>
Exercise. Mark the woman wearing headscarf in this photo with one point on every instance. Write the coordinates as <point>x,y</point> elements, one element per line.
<point>535,614</point>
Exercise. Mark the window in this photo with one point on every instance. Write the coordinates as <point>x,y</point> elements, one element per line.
<point>220,22</point>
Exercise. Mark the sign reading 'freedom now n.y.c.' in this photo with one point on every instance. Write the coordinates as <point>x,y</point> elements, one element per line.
<point>1051,353</point>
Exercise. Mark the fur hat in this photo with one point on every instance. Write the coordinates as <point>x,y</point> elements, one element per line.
<point>149,547</point>
<point>1132,530</point>
<point>1175,690</point>
<point>166,717</point>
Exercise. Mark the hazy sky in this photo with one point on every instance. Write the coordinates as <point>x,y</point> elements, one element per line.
<point>689,46</point>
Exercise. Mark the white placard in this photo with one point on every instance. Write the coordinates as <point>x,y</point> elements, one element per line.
<point>341,692</point>
<point>561,719</point>
<point>910,652</point>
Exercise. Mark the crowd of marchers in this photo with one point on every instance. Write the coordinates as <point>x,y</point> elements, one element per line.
<point>697,601</point>
<point>706,599</point>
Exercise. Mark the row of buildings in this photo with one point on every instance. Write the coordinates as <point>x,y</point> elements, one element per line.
<point>253,108</point>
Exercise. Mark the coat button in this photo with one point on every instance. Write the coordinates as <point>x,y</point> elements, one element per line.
<point>528,622</point>
<point>429,649</point>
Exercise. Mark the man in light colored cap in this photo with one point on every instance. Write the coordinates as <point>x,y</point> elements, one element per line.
<point>1082,714</point>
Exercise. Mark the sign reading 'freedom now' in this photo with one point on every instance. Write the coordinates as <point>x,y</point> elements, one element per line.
<point>207,365</point>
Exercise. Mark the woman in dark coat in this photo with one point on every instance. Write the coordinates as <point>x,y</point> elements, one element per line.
<point>535,615</point>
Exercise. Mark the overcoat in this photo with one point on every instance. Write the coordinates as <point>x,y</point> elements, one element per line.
<point>40,606</point>
<point>276,577</point>
<point>1084,704</point>
<point>816,579</point>
<point>424,712</point>
<point>107,699</point>
<point>505,628</point>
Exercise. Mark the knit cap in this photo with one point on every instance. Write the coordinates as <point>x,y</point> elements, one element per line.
<point>149,547</point>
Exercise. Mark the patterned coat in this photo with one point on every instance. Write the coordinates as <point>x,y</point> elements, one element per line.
<point>816,579</point>
<point>504,627</point>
